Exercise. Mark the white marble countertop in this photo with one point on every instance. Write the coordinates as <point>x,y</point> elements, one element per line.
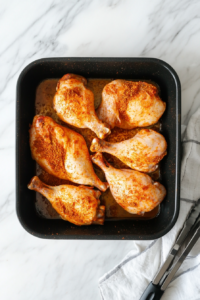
<point>32,268</point>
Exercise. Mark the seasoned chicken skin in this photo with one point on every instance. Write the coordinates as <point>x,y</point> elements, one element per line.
<point>79,205</point>
<point>142,152</point>
<point>135,192</point>
<point>74,104</point>
<point>127,104</point>
<point>62,152</point>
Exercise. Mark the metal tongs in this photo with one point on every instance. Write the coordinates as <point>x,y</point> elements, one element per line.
<point>187,238</point>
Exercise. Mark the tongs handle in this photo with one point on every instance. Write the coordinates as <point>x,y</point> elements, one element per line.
<point>152,292</point>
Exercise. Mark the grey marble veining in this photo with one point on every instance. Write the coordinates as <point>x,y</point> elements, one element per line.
<point>170,30</point>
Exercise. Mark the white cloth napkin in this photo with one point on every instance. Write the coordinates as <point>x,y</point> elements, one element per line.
<point>129,279</point>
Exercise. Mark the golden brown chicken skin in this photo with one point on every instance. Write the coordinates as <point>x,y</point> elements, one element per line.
<point>74,104</point>
<point>62,152</point>
<point>135,192</point>
<point>127,104</point>
<point>79,205</point>
<point>142,152</point>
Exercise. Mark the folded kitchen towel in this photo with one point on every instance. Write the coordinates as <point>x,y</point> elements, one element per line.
<point>130,278</point>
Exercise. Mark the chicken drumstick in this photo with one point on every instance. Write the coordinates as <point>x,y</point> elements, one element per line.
<point>135,192</point>
<point>62,152</point>
<point>74,104</point>
<point>142,152</point>
<point>127,104</point>
<point>79,205</point>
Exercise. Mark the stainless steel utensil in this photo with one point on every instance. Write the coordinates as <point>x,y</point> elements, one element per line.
<point>183,245</point>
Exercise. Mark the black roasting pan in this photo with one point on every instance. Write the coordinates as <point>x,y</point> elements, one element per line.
<point>120,68</point>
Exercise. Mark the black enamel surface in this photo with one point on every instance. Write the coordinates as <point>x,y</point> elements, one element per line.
<point>121,68</point>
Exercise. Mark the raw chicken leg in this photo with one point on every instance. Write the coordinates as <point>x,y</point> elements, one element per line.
<point>62,152</point>
<point>127,104</point>
<point>142,152</point>
<point>74,104</point>
<point>79,205</point>
<point>134,191</point>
